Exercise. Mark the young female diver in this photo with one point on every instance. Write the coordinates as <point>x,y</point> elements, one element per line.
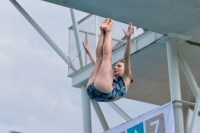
<point>101,85</point>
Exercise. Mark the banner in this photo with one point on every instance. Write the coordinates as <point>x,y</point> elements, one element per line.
<point>160,120</point>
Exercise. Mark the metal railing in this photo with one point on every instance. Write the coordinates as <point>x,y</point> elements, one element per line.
<point>73,54</point>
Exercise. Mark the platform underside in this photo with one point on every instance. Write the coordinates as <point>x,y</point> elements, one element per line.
<point>161,16</point>
<point>150,73</point>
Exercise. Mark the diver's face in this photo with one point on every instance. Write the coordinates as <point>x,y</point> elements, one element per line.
<point>119,69</point>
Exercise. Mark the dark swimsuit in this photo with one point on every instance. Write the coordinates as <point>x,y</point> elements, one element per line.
<point>118,91</point>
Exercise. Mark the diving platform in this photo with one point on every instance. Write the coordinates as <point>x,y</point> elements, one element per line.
<point>150,70</point>
<point>176,19</point>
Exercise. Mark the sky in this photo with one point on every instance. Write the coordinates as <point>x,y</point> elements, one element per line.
<point>36,96</point>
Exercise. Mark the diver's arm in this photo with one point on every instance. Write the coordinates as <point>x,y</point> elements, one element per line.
<point>127,64</point>
<point>86,47</point>
<point>92,58</point>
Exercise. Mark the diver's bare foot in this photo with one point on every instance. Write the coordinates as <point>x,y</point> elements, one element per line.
<point>104,23</point>
<point>108,26</point>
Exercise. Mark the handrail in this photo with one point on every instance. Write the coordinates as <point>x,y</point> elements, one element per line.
<point>83,31</point>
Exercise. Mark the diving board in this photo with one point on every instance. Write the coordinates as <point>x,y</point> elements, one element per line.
<point>178,19</point>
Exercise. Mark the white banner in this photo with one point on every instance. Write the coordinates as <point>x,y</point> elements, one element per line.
<point>160,120</point>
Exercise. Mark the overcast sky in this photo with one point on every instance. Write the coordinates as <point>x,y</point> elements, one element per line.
<point>36,96</point>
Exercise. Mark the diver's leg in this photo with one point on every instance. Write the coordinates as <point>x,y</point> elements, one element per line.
<point>104,79</point>
<point>99,53</point>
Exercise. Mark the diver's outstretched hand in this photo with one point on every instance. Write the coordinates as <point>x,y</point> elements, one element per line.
<point>86,47</point>
<point>129,32</point>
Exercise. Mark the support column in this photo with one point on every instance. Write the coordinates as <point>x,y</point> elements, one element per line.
<point>86,38</point>
<point>173,69</point>
<point>43,34</point>
<point>185,109</point>
<point>135,35</point>
<point>96,30</point>
<point>76,34</point>
<point>135,31</point>
<point>174,81</point>
<point>190,78</point>
<point>87,127</point>
<point>195,113</point>
<point>100,115</point>
<point>119,111</point>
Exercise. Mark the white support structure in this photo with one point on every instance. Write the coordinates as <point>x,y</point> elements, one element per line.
<point>173,68</point>
<point>76,34</point>
<point>190,78</point>
<point>119,111</point>
<point>174,80</point>
<point>86,37</point>
<point>196,109</point>
<point>100,115</point>
<point>87,125</point>
<point>96,30</point>
<point>135,36</point>
<point>135,32</point>
<point>43,34</point>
